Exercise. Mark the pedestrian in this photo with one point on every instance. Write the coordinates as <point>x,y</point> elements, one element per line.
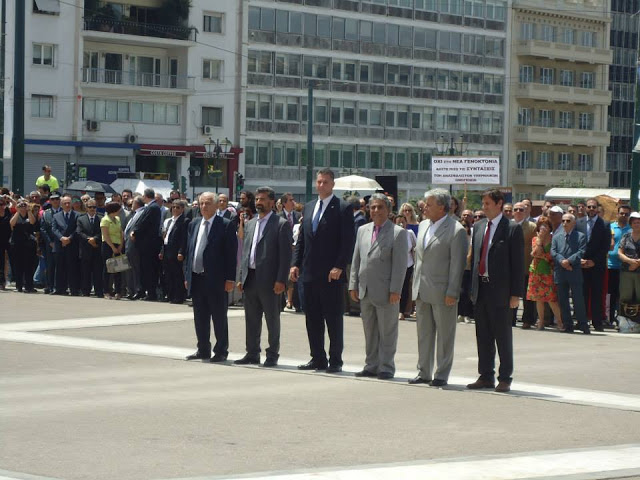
<point>629,253</point>
<point>174,248</point>
<point>146,235</point>
<point>618,229</point>
<point>112,246</point>
<point>90,247</point>
<point>5,235</point>
<point>23,247</point>
<point>529,232</point>
<point>65,249</point>
<point>47,179</point>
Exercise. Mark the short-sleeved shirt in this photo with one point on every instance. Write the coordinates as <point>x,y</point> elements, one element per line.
<point>52,182</point>
<point>613,261</point>
<point>114,229</point>
<point>631,249</point>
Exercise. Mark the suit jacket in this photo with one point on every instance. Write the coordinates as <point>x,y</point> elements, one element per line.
<point>332,244</point>
<point>61,228</point>
<point>85,231</point>
<point>177,241</point>
<point>505,261</point>
<point>573,251</point>
<point>295,214</point>
<point>599,243</point>
<point>379,268</point>
<point>219,256</point>
<point>46,227</point>
<point>359,220</point>
<point>132,221</point>
<point>273,251</point>
<point>528,231</point>
<point>147,228</point>
<point>440,265</point>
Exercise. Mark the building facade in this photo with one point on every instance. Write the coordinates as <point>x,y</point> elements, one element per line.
<point>560,94</point>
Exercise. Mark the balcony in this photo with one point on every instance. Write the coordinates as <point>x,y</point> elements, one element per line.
<point>562,94</point>
<point>563,51</point>
<point>556,177</point>
<point>101,78</point>
<point>561,136</point>
<point>136,33</point>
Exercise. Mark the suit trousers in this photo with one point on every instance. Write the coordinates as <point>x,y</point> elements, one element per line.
<point>380,324</point>
<point>351,307</point>
<point>4,248</point>
<point>23,264</point>
<point>465,305</point>
<point>50,261</point>
<point>209,306</point>
<point>405,295</point>
<point>173,279</point>
<point>614,293</point>
<point>67,270</point>
<point>110,278</point>
<point>493,328</point>
<point>579,308</point>
<point>149,269</point>
<point>323,304</point>
<point>528,306</point>
<point>436,325</point>
<point>593,279</point>
<point>259,300</point>
<point>91,272</point>
<point>132,275</point>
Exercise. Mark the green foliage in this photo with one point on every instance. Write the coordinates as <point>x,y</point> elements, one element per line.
<point>174,12</point>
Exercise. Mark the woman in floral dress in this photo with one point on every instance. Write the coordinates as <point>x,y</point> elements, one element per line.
<point>541,288</point>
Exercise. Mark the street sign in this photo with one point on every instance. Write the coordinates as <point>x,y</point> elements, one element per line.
<point>465,170</point>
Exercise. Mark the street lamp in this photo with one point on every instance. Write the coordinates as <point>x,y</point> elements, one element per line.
<point>451,148</point>
<point>214,150</point>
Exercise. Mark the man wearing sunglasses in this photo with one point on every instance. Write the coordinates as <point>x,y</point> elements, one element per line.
<point>90,242</point>
<point>618,229</point>
<point>528,231</point>
<point>594,262</point>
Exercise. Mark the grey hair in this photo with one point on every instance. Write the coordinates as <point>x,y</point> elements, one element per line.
<point>442,197</point>
<point>138,200</point>
<point>354,201</point>
<point>382,197</point>
<point>208,194</point>
<point>573,217</point>
<point>149,193</point>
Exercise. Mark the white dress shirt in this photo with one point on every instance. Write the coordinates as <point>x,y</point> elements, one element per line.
<point>168,226</point>
<point>257,235</point>
<point>433,228</point>
<point>202,232</point>
<point>325,202</point>
<point>494,226</point>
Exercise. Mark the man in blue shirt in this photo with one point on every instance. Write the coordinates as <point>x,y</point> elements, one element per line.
<point>618,229</point>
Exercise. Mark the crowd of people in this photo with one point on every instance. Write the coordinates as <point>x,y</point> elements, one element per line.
<point>435,261</point>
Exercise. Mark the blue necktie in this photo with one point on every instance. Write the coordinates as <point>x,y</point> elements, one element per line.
<point>316,219</point>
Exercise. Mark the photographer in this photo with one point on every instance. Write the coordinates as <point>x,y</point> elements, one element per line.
<point>23,246</point>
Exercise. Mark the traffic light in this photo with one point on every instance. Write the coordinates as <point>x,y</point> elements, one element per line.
<point>71,172</point>
<point>239,182</point>
<point>183,184</point>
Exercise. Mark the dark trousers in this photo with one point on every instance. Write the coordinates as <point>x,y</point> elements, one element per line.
<point>149,269</point>
<point>50,261</point>
<point>209,306</point>
<point>351,307</point>
<point>110,278</point>
<point>614,293</point>
<point>493,328</point>
<point>323,304</point>
<point>465,305</point>
<point>67,270</point>
<point>23,262</point>
<point>593,279</point>
<point>576,290</point>
<point>405,295</point>
<point>528,307</point>
<point>173,280</point>
<point>4,248</point>
<point>91,267</point>
<point>259,300</point>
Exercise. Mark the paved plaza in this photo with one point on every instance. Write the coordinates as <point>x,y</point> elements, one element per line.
<point>97,389</point>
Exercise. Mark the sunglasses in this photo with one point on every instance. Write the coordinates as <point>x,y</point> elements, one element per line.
<point>518,209</point>
<point>622,214</point>
<point>91,208</point>
<point>479,216</point>
<point>591,207</point>
<point>566,221</point>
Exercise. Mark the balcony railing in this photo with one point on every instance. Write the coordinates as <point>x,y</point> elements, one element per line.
<point>141,29</point>
<point>136,79</point>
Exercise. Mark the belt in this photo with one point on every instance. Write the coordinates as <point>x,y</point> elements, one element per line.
<point>483,279</point>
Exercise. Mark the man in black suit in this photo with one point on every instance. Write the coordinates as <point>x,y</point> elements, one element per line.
<point>594,262</point>
<point>325,243</point>
<point>65,249</point>
<point>266,258</point>
<point>90,240</point>
<point>174,248</point>
<point>210,272</point>
<point>497,262</point>
<point>146,235</point>
<point>289,209</point>
<point>223,209</point>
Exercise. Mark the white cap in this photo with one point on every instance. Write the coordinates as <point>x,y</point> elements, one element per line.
<point>634,215</point>
<point>556,209</point>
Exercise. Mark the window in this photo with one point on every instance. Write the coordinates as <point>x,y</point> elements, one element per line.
<point>523,159</point>
<point>429,5</point>
<point>310,24</point>
<point>547,33</point>
<point>213,23</point>
<point>448,80</point>
<point>545,118</point>
<point>43,54</point>
<point>343,112</point>
<point>42,106</point>
<point>546,75</point>
<point>379,33</point>
<point>525,116</point>
<point>588,39</point>
<point>127,112</point>
<point>392,35</point>
<point>526,73</point>
<point>212,116</point>
<point>287,64</point>
<point>286,108</point>
<point>585,121</point>
<point>320,111</point>
<point>566,78</point>
<point>567,35</point>
<point>493,84</point>
<point>398,74</point>
<point>450,41</point>
<point>324,26</point>
<point>351,29</point>
<point>48,7</point>
<point>545,161</point>
<point>474,8</point>
<point>316,67</point>
<point>366,31</point>
<point>406,36</point>
<point>585,162</point>
<point>564,161</point>
<point>565,120</point>
<point>212,69</point>
<point>259,62</point>
<point>343,70</point>
<point>254,18</point>
<point>494,47</point>
<point>474,44</point>
<point>267,19</point>
<point>527,31</point>
<point>282,21</point>
<point>295,23</point>
<point>424,77</point>
<point>496,10</point>
<point>587,80</point>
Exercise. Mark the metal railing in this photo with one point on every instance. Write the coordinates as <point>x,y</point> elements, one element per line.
<point>136,79</point>
<point>142,29</point>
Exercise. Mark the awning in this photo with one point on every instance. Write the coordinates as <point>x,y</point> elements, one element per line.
<point>153,150</point>
<point>51,6</point>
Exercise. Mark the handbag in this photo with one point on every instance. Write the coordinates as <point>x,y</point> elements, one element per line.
<point>117,264</point>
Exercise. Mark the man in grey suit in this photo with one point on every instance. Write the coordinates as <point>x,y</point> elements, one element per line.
<point>132,275</point>
<point>378,267</point>
<point>266,257</point>
<point>441,256</point>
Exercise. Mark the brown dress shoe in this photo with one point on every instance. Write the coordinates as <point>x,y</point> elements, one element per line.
<point>503,387</point>
<point>481,383</point>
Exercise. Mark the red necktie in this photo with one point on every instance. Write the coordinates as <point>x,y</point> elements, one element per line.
<point>482,267</point>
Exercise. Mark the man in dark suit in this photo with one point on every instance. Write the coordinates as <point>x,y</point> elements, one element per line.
<point>146,235</point>
<point>497,263</point>
<point>266,257</point>
<point>132,275</point>
<point>567,250</point>
<point>594,261</point>
<point>48,239</point>
<point>90,240</point>
<point>174,248</point>
<point>351,307</point>
<point>65,249</point>
<point>223,209</point>
<point>289,209</point>
<point>210,272</point>
<point>325,243</point>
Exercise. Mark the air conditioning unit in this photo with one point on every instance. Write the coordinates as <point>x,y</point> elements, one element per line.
<point>93,126</point>
<point>131,138</point>
<point>207,130</point>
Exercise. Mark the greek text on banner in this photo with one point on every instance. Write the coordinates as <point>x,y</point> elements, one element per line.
<point>461,170</point>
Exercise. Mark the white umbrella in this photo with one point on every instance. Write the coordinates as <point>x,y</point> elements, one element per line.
<point>356,182</point>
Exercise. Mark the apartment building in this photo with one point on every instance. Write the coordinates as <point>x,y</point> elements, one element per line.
<point>135,85</point>
<point>560,95</point>
<point>390,78</point>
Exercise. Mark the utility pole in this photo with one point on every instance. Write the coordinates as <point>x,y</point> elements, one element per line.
<point>635,155</point>
<point>17,147</point>
<point>309,141</point>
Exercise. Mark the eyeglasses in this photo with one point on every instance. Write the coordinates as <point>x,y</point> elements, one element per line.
<point>90,207</point>
<point>176,206</point>
<point>518,209</point>
<point>622,214</point>
<point>591,207</point>
<point>479,216</point>
<point>566,220</point>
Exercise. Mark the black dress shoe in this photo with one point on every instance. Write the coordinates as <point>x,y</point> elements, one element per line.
<point>586,331</point>
<point>334,369</point>
<point>60,293</point>
<point>131,297</point>
<point>385,376</point>
<point>599,329</point>
<point>566,330</point>
<point>150,298</point>
<point>248,360</point>
<point>418,380</point>
<point>198,356</point>
<point>138,296</point>
<point>218,358</point>
<point>436,382</point>
<point>271,362</point>
<point>366,373</point>
<point>313,365</point>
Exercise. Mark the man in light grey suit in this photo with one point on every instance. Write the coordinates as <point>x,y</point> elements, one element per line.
<point>378,268</point>
<point>441,256</point>
<point>266,258</point>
